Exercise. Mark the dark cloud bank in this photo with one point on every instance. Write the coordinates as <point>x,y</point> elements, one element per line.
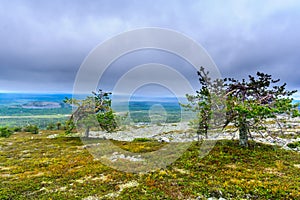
<point>43,43</point>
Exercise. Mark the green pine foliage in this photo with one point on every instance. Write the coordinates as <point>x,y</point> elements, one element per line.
<point>245,104</point>
<point>92,112</point>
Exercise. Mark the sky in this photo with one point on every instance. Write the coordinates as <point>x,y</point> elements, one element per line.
<point>44,43</point>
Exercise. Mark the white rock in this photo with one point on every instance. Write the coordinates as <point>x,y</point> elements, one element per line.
<point>164,139</point>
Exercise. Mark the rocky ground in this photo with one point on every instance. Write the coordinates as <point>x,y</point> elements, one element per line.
<point>283,133</point>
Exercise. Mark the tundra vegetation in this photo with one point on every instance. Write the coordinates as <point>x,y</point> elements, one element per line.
<point>41,166</point>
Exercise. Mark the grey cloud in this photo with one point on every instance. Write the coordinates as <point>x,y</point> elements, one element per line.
<point>48,40</point>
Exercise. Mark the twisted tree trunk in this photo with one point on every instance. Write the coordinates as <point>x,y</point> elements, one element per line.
<point>87,132</point>
<point>243,133</point>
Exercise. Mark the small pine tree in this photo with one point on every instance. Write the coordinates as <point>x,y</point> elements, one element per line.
<point>208,103</point>
<point>247,104</point>
<point>250,103</point>
<point>91,112</point>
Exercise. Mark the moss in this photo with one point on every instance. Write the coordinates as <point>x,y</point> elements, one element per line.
<point>37,167</point>
<point>142,140</point>
<point>139,146</point>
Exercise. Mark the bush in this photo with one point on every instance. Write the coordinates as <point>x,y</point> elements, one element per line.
<point>17,129</point>
<point>294,145</point>
<point>31,128</point>
<point>142,140</point>
<point>50,126</point>
<point>69,126</point>
<point>5,132</point>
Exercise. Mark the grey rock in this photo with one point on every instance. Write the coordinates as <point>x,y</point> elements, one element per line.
<point>164,139</point>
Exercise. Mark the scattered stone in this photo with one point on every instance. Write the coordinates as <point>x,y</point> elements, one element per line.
<point>214,198</point>
<point>80,181</point>
<point>182,171</point>
<point>121,188</point>
<point>91,198</point>
<point>52,136</point>
<point>181,132</point>
<point>2,168</point>
<point>128,185</point>
<point>297,165</point>
<point>115,156</point>
<point>232,166</point>
<point>62,189</point>
<point>90,145</point>
<point>5,175</point>
<point>25,151</point>
<point>164,139</point>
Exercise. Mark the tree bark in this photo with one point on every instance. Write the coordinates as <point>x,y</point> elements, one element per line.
<point>87,132</point>
<point>243,133</point>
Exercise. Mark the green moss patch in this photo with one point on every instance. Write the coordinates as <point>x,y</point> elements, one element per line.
<point>37,167</point>
<point>294,144</point>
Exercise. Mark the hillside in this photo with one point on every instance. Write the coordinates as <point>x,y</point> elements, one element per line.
<point>43,167</point>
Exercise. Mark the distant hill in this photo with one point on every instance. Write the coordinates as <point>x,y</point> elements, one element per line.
<point>22,98</point>
<point>41,105</point>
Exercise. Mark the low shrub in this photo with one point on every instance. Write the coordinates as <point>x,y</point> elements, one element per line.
<point>31,128</point>
<point>17,129</point>
<point>50,126</point>
<point>5,132</point>
<point>142,140</point>
<point>70,127</point>
<point>294,144</point>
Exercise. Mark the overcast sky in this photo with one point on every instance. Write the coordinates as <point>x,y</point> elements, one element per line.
<point>43,43</point>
